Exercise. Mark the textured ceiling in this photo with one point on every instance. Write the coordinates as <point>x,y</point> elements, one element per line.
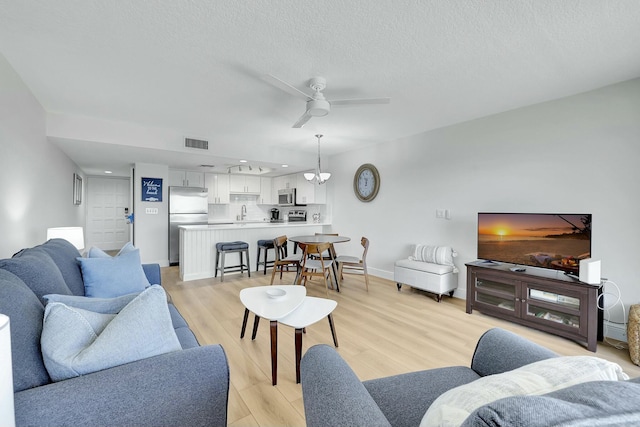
<point>194,66</point>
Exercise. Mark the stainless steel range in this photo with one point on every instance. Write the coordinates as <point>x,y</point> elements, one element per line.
<point>297,215</point>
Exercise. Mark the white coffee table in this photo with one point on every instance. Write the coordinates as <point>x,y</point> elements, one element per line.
<point>257,301</point>
<point>309,312</point>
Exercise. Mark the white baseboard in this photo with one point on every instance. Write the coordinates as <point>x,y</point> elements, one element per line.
<point>381,273</point>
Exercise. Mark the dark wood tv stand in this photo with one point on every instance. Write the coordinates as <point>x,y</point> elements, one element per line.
<point>543,300</point>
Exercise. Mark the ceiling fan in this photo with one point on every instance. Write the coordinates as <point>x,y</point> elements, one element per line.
<point>317,104</point>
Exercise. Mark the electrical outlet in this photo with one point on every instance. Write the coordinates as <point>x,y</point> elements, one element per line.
<point>439,213</point>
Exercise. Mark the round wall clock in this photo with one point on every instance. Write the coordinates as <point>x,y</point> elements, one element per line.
<point>366,182</point>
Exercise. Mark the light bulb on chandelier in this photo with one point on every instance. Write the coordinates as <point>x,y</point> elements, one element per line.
<point>319,176</point>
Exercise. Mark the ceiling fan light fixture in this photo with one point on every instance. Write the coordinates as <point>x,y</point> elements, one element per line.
<point>318,107</point>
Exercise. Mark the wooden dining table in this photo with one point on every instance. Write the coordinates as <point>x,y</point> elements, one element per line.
<point>324,238</point>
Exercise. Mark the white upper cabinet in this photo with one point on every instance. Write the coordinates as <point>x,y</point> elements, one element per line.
<point>180,178</point>
<point>239,184</point>
<point>283,182</point>
<point>218,186</point>
<point>266,195</point>
<point>253,184</point>
<point>276,184</point>
<point>176,178</point>
<point>309,192</point>
<point>304,190</point>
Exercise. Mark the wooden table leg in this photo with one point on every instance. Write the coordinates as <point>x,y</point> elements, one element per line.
<point>298,353</point>
<point>244,322</point>
<point>274,352</point>
<point>333,330</point>
<point>334,268</point>
<point>256,321</point>
<point>298,278</point>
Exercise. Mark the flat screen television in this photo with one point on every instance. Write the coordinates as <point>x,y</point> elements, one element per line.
<point>553,241</point>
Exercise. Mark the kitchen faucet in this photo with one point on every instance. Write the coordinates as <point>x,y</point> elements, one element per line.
<point>243,212</point>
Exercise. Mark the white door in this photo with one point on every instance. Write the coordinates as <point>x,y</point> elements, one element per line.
<point>107,199</point>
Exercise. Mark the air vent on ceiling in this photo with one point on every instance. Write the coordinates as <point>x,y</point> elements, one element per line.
<point>196,143</point>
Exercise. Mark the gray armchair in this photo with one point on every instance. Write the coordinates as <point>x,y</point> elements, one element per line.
<point>333,394</point>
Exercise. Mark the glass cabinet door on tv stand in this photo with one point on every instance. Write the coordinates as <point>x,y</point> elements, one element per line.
<point>558,305</point>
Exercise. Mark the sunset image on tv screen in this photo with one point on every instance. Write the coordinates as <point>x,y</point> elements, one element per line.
<point>557,241</point>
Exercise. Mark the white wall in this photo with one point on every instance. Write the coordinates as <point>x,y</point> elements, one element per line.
<point>151,231</point>
<point>36,178</point>
<point>575,155</point>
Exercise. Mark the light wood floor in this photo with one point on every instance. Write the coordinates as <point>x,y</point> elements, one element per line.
<point>380,333</point>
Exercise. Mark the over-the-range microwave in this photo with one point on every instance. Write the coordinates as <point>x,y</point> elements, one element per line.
<point>287,197</point>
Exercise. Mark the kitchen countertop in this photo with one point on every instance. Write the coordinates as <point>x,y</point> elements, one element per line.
<point>251,224</point>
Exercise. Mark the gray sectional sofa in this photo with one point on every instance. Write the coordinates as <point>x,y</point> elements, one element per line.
<point>184,387</point>
<point>334,396</point>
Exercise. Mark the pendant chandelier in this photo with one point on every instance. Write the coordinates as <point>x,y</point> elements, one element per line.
<point>319,176</point>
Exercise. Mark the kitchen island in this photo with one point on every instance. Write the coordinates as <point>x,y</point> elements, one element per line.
<point>198,242</point>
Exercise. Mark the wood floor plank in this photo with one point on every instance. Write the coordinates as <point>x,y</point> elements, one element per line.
<point>247,421</point>
<point>381,332</point>
<point>238,413</point>
<point>271,408</point>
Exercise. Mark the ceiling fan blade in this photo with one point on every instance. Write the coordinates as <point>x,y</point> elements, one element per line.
<point>360,101</point>
<point>274,81</point>
<point>302,120</point>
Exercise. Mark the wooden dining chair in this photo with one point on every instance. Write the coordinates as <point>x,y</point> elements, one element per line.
<point>353,264</point>
<point>283,259</point>
<point>331,252</point>
<point>314,265</point>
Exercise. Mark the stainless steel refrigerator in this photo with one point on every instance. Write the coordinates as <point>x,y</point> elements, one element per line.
<point>187,206</point>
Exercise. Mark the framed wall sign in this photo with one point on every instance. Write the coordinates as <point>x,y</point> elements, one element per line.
<point>151,189</point>
<point>77,189</point>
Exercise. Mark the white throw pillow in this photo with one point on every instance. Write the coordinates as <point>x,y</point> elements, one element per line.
<point>76,341</point>
<point>455,405</point>
<point>442,255</point>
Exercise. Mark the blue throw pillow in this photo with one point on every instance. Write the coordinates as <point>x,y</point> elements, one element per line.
<point>64,255</point>
<point>98,305</point>
<point>113,277</point>
<point>77,341</point>
<point>38,271</point>
<point>94,252</point>
<point>99,253</point>
<point>25,312</point>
